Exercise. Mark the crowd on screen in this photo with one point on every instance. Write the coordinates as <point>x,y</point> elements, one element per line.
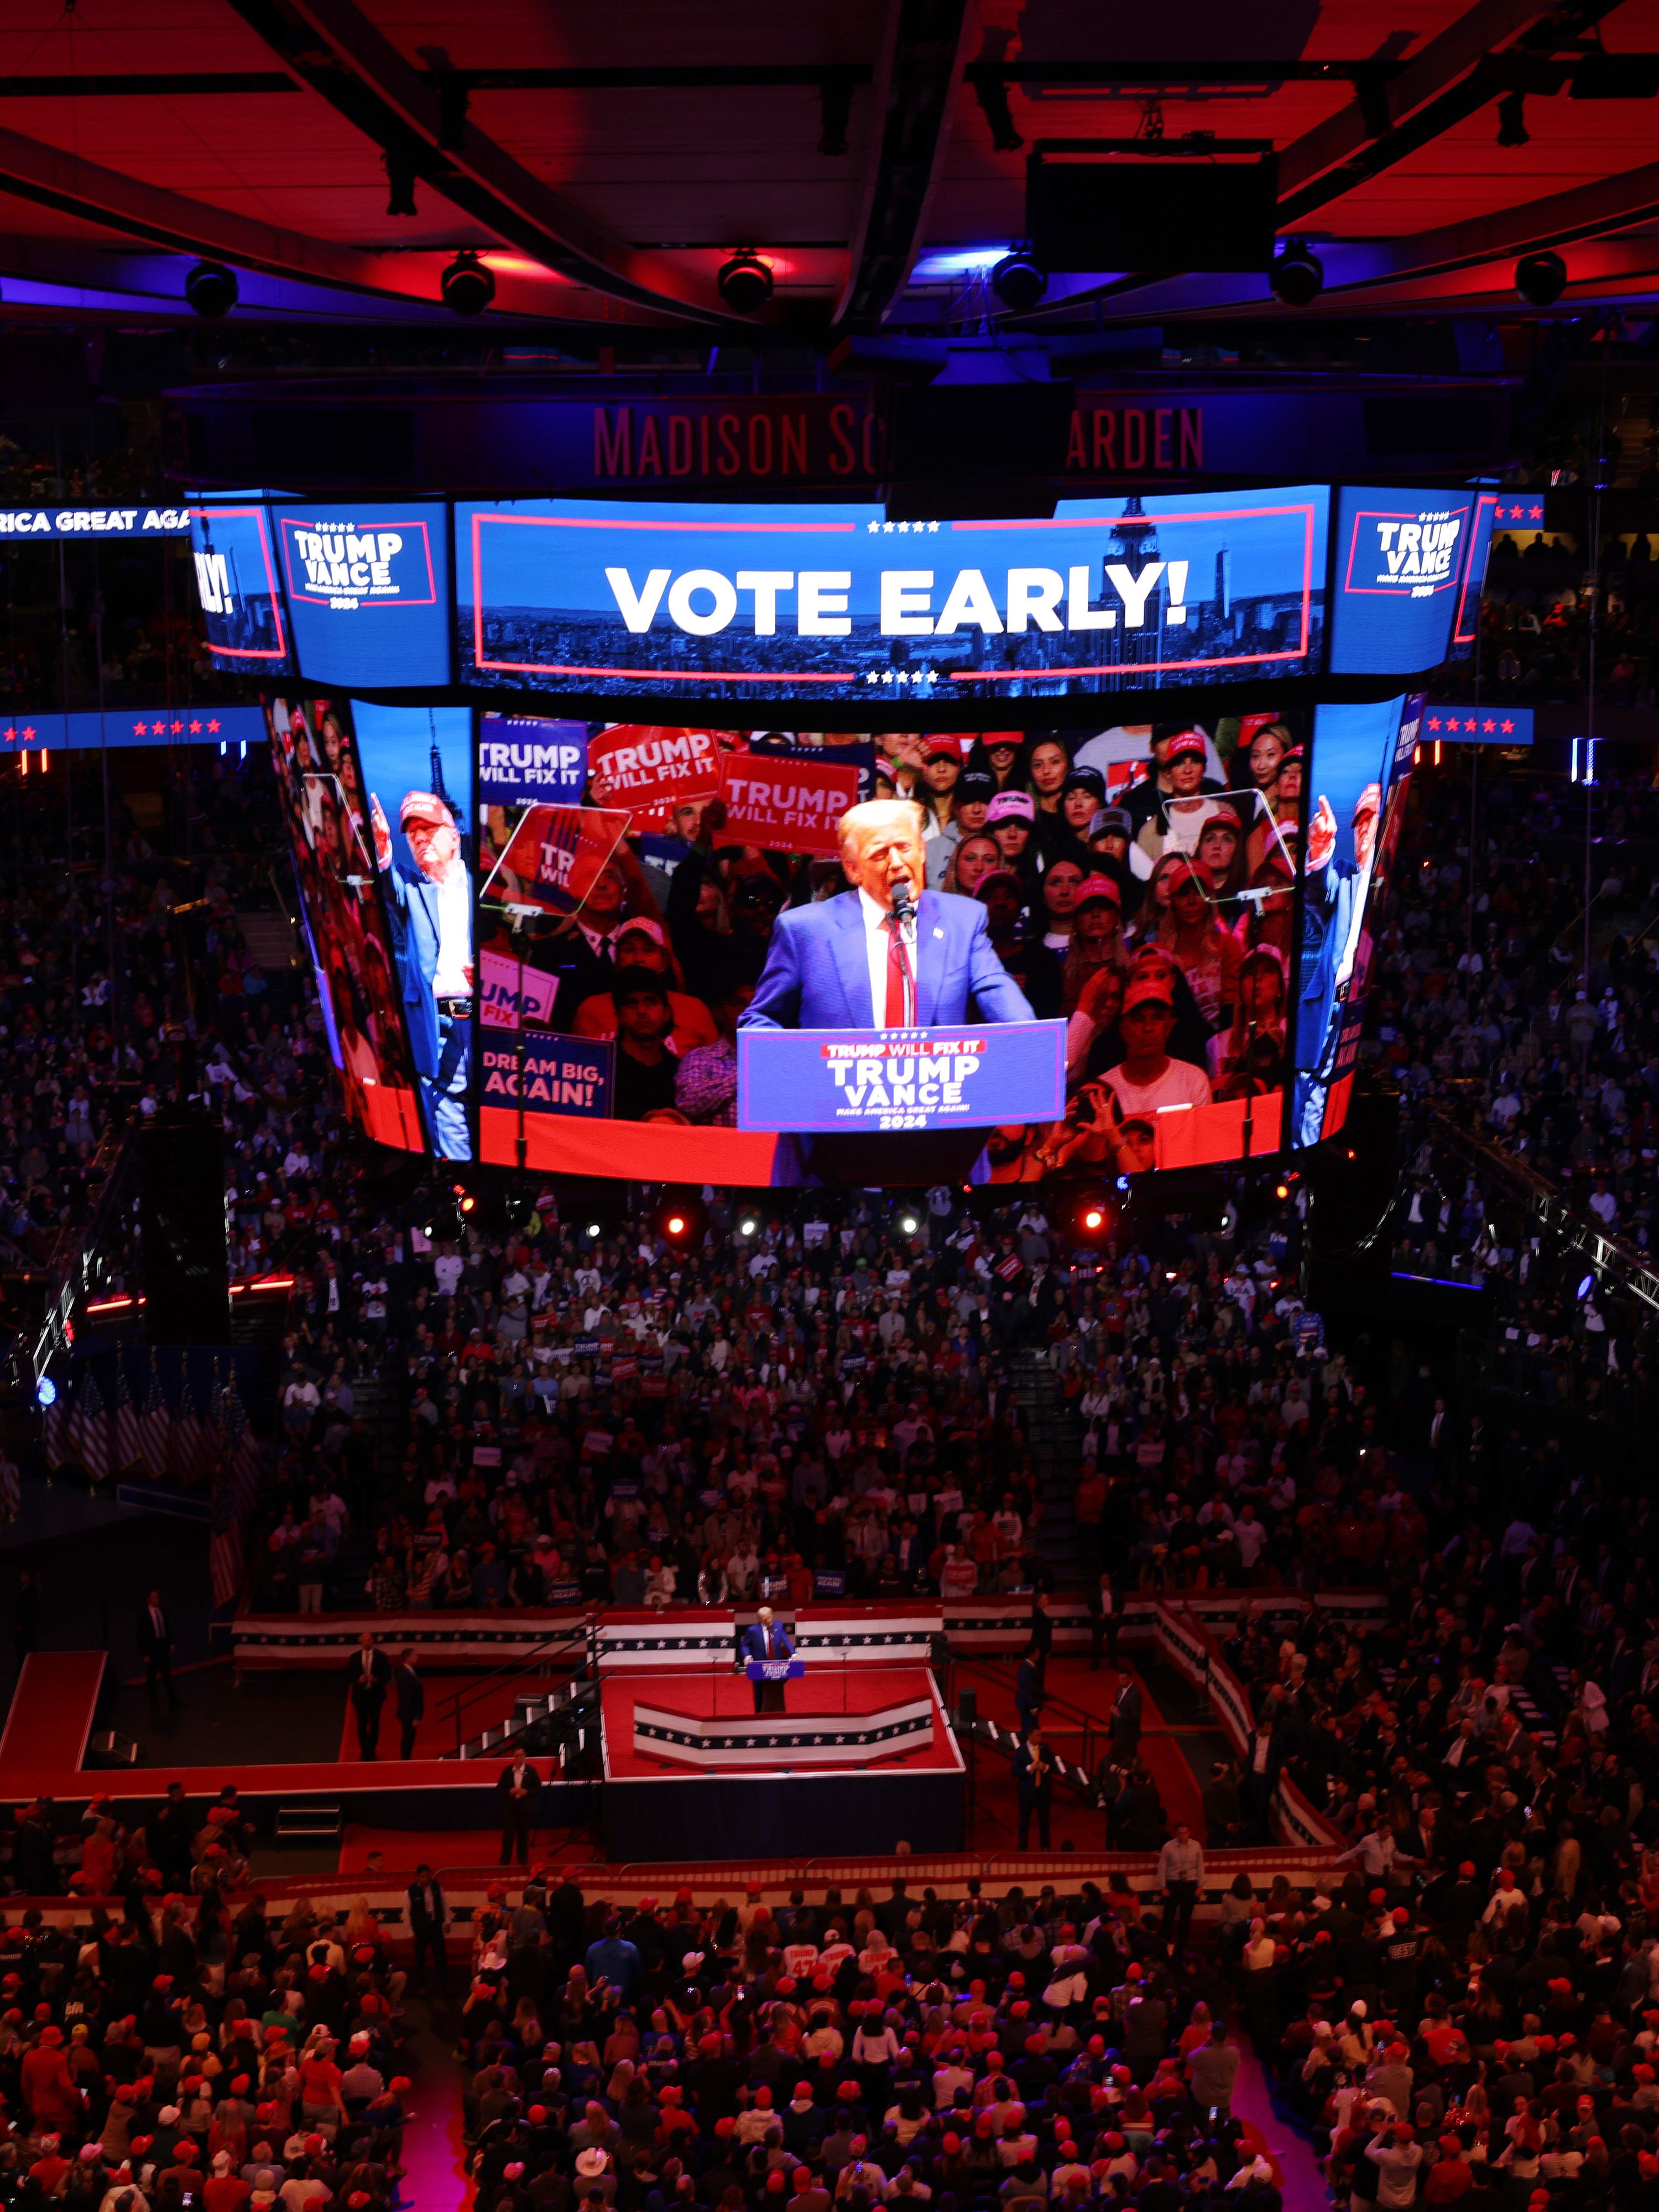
<point>1137,883</point>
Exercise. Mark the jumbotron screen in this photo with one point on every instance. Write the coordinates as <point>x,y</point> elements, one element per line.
<point>767,957</point>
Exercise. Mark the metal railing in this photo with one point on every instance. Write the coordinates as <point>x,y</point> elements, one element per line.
<point>567,1642</point>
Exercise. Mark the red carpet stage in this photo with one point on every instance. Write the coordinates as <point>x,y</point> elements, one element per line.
<point>692,1771</point>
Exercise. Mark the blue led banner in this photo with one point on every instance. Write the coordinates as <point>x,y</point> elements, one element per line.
<point>1400,557</point>
<point>37,523</point>
<point>367,588</point>
<point>1478,726</point>
<point>817,1080</point>
<point>236,584</point>
<point>840,603</point>
<point>133,726</point>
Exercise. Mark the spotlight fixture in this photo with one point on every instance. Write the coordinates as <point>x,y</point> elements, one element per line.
<point>744,282</point>
<point>908,1225</point>
<point>467,287</point>
<point>1540,278</point>
<point>1297,277</point>
<point>1095,1216</point>
<point>211,288</point>
<point>1512,120</point>
<point>1019,281</point>
<point>681,1222</point>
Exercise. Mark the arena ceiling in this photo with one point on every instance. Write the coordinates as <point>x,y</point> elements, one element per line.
<point>607,161</point>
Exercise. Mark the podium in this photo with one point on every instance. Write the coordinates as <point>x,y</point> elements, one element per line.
<point>771,1674</point>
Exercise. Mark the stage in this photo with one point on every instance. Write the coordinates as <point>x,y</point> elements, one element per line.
<point>859,1774</point>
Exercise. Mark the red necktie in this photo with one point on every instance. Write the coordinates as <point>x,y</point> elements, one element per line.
<point>899,1012</point>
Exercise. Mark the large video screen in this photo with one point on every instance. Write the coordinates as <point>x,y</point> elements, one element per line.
<point>585,924</point>
<point>322,791</point>
<point>677,600</point>
<point>1362,759</point>
<point>840,603</point>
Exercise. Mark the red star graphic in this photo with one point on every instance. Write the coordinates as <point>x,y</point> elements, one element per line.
<point>213,726</point>
<point>1434,721</point>
<point>158,729</point>
<point>10,734</point>
<point>195,729</point>
<point>1488,726</point>
<point>27,733</point>
<point>1537,514</point>
<point>1469,725</point>
<point>1506,728</point>
<point>177,728</point>
<point>137,729</point>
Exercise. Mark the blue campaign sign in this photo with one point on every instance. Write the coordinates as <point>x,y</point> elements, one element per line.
<point>559,1075</point>
<point>525,760</point>
<point>236,584</point>
<point>367,591</point>
<point>1400,556</point>
<point>1477,726</point>
<point>43,522</point>
<point>827,602</point>
<point>90,732</point>
<point>818,1080</point>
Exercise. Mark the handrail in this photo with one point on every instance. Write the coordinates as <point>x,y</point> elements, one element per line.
<point>535,1655</point>
<point>1089,1723</point>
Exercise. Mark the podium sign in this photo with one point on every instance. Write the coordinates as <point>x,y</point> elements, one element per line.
<point>822,1080</point>
<point>774,1670</point>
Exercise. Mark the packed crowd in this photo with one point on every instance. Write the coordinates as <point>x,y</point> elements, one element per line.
<point>1031,2049</point>
<point>1536,622</point>
<point>192,2051</point>
<point>1486,1011</point>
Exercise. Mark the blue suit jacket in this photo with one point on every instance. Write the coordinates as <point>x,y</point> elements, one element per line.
<point>754,1646</point>
<point>414,930</point>
<point>818,971</point>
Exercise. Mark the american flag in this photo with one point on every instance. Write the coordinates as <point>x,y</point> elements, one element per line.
<point>190,1451</point>
<point>55,1431</point>
<point>243,1457</point>
<point>127,1442</point>
<point>156,1427</point>
<point>89,1428</point>
<point>225,1559</point>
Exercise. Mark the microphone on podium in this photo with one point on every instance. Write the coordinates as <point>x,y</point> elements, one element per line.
<point>903,900</point>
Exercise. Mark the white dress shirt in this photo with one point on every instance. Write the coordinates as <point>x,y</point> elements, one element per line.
<point>453,979</point>
<point>877,936</point>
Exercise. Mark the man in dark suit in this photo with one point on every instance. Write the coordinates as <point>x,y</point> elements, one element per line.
<point>1126,1721</point>
<point>410,1693</point>
<point>519,1786</point>
<point>370,1679</point>
<point>767,1640</point>
<point>155,1646</point>
<point>429,1916</point>
<point>1041,1640</point>
<point>1028,1693</point>
<point>859,962</point>
<point>1034,1787</point>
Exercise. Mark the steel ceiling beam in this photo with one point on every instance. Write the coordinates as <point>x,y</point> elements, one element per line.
<point>50,177</point>
<point>923,69</point>
<point>334,49</point>
<point>1456,73</point>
